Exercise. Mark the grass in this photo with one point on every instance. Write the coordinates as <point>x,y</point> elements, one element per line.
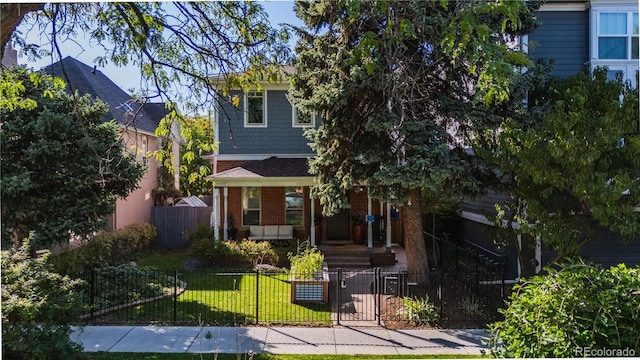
<point>222,299</point>
<point>144,356</point>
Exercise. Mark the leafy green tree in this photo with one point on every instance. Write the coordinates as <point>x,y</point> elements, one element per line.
<point>386,77</point>
<point>62,167</point>
<point>177,46</point>
<point>38,309</point>
<point>570,312</point>
<point>571,159</point>
<point>198,140</point>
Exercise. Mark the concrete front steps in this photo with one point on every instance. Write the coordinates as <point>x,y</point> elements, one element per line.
<point>344,254</point>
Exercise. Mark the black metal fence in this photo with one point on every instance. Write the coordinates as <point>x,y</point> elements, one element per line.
<point>233,298</point>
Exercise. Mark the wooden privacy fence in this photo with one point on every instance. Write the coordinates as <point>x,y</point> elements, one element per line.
<point>172,222</point>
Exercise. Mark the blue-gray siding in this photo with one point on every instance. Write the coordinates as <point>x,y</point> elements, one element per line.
<point>563,36</point>
<point>279,137</point>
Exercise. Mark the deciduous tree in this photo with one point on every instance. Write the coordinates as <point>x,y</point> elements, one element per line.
<point>571,158</point>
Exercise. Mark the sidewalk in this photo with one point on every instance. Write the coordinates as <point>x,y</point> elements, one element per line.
<point>280,340</point>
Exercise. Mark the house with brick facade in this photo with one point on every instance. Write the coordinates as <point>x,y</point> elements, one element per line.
<point>261,176</point>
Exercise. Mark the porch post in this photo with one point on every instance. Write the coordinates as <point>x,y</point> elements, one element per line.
<point>369,223</point>
<point>215,214</point>
<point>388,227</point>
<point>225,226</point>
<point>312,228</point>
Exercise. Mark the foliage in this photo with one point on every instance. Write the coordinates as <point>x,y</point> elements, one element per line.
<point>176,45</point>
<point>472,308</point>
<point>231,252</point>
<point>197,140</point>
<point>392,82</point>
<point>124,284</point>
<point>578,306</point>
<point>62,167</point>
<point>213,252</point>
<point>258,252</point>
<point>418,310</point>
<point>107,248</point>
<point>38,308</point>
<point>202,231</point>
<point>569,158</point>
<point>306,261</point>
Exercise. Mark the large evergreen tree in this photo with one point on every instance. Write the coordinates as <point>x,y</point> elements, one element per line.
<point>62,166</point>
<point>390,80</point>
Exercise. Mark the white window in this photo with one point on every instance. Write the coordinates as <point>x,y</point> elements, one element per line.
<point>294,205</point>
<point>617,35</point>
<point>250,206</point>
<point>144,150</point>
<point>301,119</point>
<point>614,39</point>
<point>255,109</point>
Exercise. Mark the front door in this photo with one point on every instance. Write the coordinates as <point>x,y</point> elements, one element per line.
<point>338,226</point>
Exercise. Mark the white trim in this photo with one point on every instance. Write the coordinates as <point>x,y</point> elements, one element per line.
<point>294,117</point>
<point>264,109</point>
<point>565,6</point>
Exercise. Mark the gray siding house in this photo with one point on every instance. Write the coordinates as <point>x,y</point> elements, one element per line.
<point>575,35</point>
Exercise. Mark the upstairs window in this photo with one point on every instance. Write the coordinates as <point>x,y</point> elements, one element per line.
<point>255,109</point>
<point>301,119</point>
<point>617,35</point>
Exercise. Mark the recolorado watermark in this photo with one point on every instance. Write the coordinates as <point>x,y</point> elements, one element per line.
<point>587,351</point>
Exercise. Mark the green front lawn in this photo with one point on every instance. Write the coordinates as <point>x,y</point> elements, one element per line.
<point>218,298</point>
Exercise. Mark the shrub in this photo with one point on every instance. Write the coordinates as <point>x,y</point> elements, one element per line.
<point>257,253</point>
<point>38,309</point>
<point>109,248</point>
<point>122,284</point>
<point>568,310</point>
<point>418,310</point>
<point>201,232</point>
<point>306,261</point>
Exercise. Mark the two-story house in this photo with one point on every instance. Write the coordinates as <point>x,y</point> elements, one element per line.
<point>137,123</point>
<point>261,174</point>
<point>575,34</point>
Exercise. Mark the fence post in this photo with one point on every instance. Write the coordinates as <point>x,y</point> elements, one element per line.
<point>92,293</point>
<point>440,287</point>
<point>338,295</point>
<point>378,294</point>
<point>257,295</point>
<point>175,296</point>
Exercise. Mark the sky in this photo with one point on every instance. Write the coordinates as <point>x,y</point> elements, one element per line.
<point>129,78</point>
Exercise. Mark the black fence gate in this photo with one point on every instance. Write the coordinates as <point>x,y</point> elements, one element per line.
<point>455,299</point>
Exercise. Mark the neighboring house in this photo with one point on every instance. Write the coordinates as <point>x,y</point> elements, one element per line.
<point>575,35</point>
<point>137,123</point>
<point>261,174</point>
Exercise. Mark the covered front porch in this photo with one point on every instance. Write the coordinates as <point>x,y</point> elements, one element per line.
<point>276,191</point>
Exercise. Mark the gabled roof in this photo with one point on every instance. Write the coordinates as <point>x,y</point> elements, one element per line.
<point>122,108</point>
<point>272,171</point>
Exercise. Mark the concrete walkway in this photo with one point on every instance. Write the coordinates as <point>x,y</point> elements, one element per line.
<point>280,340</point>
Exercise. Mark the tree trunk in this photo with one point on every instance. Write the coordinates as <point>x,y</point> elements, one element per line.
<point>10,17</point>
<point>417,262</point>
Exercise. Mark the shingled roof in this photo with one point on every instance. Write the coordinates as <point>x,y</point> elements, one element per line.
<point>122,108</point>
<point>271,171</point>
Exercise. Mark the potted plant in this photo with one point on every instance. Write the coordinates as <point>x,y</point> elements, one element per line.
<point>309,275</point>
<point>231,228</point>
<point>358,218</point>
